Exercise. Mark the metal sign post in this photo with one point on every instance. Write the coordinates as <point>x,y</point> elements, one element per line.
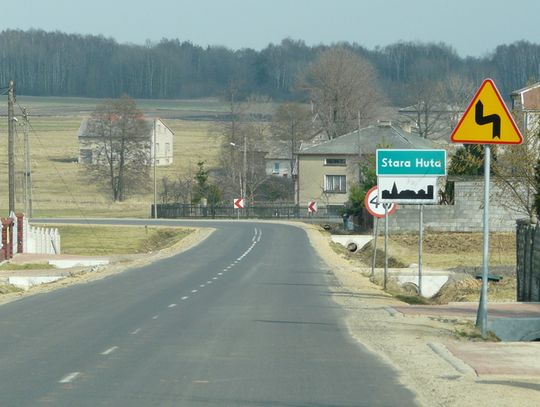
<point>374,261</point>
<point>481,317</point>
<point>420,248</point>
<point>385,246</point>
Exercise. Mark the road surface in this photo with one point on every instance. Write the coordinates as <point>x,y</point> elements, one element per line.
<point>246,318</point>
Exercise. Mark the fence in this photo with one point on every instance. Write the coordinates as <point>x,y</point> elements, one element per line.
<point>40,240</point>
<point>528,261</point>
<point>255,211</point>
<point>17,236</point>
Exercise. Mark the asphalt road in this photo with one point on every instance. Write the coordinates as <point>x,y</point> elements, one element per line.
<point>245,318</point>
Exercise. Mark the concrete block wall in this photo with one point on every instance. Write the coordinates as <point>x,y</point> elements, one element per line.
<point>465,215</point>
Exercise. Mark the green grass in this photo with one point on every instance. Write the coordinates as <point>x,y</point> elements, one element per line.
<point>107,240</point>
<point>8,288</point>
<point>27,266</point>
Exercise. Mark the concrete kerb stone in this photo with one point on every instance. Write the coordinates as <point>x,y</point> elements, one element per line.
<point>455,362</point>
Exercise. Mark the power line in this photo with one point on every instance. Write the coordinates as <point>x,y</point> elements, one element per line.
<point>67,188</point>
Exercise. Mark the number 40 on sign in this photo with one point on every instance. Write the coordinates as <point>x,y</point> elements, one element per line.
<point>376,208</point>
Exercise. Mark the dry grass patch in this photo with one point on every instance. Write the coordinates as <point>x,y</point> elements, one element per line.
<point>60,185</point>
<point>109,240</point>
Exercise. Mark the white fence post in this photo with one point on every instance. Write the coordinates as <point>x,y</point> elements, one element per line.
<point>40,239</point>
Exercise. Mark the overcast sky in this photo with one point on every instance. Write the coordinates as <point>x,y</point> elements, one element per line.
<point>472,27</point>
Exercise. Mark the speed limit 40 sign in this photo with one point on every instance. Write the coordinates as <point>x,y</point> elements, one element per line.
<point>376,208</point>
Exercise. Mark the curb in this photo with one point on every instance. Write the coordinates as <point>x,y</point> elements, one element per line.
<point>456,363</point>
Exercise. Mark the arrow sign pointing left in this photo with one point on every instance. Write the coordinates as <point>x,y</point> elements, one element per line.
<point>239,203</point>
<point>312,207</point>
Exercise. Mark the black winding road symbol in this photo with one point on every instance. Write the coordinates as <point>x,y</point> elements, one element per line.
<point>492,118</point>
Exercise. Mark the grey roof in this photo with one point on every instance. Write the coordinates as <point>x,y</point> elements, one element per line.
<point>368,141</point>
<point>435,108</point>
<point>525,89</point>
<point>279,150</point>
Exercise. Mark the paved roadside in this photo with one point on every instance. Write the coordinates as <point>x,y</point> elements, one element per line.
<point>437,355</point>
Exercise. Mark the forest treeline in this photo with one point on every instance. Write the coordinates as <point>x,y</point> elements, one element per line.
<point>58,64</point>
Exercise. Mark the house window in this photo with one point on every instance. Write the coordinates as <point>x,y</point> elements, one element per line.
<point>167,147</point>
<point>336,162</point>
<point>85,156</point>
<point>276,168</point>
<point>335,183</point>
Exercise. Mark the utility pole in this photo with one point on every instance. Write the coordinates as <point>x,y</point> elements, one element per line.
<point>154,160</point>
<point>27,168</point>
<point>11,142</point>
<point>244,178</point>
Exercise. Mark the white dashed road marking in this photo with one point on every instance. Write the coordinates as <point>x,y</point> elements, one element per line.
<point>109,351</point>
<point>136,331</point>
<point>185,298</point>
<point>172,305</point>
<point>69,377</point>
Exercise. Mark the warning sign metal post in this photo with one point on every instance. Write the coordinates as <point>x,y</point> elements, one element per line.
<point>486,121</point>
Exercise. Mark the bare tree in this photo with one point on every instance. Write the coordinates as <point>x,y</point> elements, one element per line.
<point>119,136</point>
<point>343,88</point>
<point>436,106</point>
<point>242,167</point>
<point>427,108</point>
<point>292,123</point>
<point>515,175</point>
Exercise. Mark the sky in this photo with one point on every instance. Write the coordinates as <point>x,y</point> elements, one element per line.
<point>471,27</point>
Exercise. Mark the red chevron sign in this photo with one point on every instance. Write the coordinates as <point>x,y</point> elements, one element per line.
<point>239,203</point>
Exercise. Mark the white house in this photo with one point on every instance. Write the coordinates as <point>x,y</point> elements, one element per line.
<point>160,140</point>
<point>526,107</point>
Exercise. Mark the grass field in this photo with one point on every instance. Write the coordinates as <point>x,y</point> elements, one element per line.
<point>60,187</point>
<point>106,240</point>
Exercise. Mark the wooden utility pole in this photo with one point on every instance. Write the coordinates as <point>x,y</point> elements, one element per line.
<point>11,142</point>
<point>27,168</point>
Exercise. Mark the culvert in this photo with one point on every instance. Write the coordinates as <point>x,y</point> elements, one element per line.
<point>516,329</point>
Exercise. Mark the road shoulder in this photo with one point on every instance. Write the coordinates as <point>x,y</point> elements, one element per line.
<point>118,264</point>
<point>416,346</point>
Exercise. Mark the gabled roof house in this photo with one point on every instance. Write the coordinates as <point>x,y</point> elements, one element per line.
<point>160,138</point>
<point>326,171</point>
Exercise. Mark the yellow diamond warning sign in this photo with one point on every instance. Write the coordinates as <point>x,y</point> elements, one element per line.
<point>487,120</point>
